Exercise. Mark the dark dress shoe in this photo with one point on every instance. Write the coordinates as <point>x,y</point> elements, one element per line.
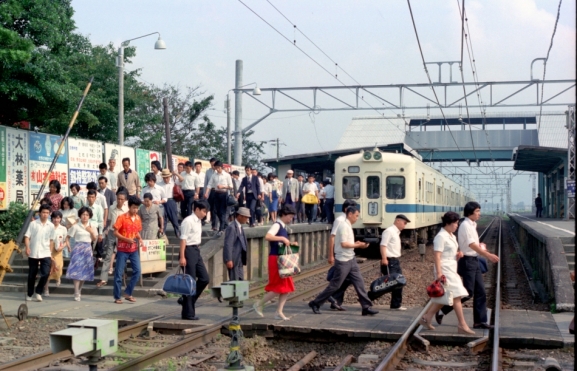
<point>335,306</point>
<point>369,311</point>
<point>315,308</point>
<point>180,301</point>
<point>484,325</point>
<point>195,318</point>
<point>439,318</point>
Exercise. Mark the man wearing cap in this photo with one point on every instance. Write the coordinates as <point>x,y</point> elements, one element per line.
<point>290,190</point>
<point>170,209</point>
<point>390,254</point>
<point>235,244</point>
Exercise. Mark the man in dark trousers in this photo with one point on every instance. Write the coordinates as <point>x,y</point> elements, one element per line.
<point>235,245</point>
<point>37,242</point>
<point>190,259</point>
<point>251,187</point>
<point>539,206</point>
<point>468,267</point>
<point>390,254</point>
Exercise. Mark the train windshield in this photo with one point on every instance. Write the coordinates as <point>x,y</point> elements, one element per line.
<point>373,187</point>
<point>395,187</point>
<point>351,187</point>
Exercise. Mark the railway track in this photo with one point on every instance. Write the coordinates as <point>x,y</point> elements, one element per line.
<point>397,352</point>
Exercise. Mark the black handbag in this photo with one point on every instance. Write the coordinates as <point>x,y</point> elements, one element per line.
<point>180,283</point>
<point>231,200</point>
<point>385,284</point>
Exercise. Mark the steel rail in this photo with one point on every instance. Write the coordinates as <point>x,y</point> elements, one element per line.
<point>496,359</point>
<point>45,358</point>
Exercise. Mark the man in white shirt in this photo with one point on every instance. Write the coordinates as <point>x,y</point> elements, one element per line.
<point>100,199</point>
<point>221,183</point>
<point>170,212</point>
<point>338,297</point>
<point>201,177</point>
<point>329,201</point>
<point>112,176</point>
<point>346,265</point>
<point>119,207</point>
<point>290,190</point>
<point>468,267</point>
<point>190,184</point>
<point>390,254</point>
<point>37,242</point>
<point>190,258</point>
<point>235,245</point>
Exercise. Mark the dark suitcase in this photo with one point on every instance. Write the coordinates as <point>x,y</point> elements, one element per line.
<point>385,284</point>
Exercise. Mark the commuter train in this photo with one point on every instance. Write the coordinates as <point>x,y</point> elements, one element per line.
<point>386,184</point>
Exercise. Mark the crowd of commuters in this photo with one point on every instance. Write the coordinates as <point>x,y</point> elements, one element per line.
<point>118,214</point>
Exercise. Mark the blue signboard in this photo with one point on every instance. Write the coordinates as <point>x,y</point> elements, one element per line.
<point>43,147</point>
<point>571,188</point>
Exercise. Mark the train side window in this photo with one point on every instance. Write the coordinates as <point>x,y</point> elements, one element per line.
<point>373,187</point>
<point>351,187</point>
<point>395,187</point>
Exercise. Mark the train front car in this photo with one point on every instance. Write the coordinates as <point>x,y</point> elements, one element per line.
<point>386,184</point>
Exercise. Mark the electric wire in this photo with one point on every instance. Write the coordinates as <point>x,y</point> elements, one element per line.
<point>321,66</point>
<point>547,59</point>
<point>430,81</point>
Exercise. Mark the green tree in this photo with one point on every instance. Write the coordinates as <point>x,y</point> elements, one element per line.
<point>13,49</point>
<point>193,134</point>
<point>11,221</point>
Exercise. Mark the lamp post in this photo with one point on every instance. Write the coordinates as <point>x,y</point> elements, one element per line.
<point>159,45</point>
<point>255,91</point>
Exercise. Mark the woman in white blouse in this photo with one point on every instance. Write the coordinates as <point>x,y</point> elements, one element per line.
<point>81,267</point>
<point>69,218</point>
<point>446,255</point>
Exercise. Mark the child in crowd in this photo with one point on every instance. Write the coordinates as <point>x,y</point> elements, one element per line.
<point>57,244</point>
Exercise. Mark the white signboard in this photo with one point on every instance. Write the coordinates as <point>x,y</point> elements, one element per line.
<point>17,165</point>
<point>118,152</point>
<point>84,157</point>
<point>153,256</point>
<point>43,148</point>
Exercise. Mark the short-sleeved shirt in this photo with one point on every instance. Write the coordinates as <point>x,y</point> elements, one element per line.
<point>329,191</point>
<point>157,192</point>
<point>468,235</point>
<point>222,179</point>
<point>337,223</point>
<point>276,227</point>
<point>59,236</point>
<point>168,188</point>
<point>191,230</point>
<point>191,181</point>
<point>115,212</point>
<point>310,188</point>
<point>97,215</point>
<point>112,180</point>
<point>101,200</point>
<point>201,176</point>
<point>392,240</point>
<point>39,235</point>
<point>344,234</point>
<point>128,226</point>
<point>79,232</point>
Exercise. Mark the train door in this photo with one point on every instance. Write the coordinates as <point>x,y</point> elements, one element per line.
<point>422,197</point>
<point>373,196</point>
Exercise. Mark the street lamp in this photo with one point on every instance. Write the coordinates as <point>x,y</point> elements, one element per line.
<point>255,91</point>
<point>159,45</point>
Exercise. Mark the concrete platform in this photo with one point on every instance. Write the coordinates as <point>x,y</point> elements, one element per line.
<point>549,227</point>
<point>447,333</point>
<point>563,320</point>
<point>530,329</point>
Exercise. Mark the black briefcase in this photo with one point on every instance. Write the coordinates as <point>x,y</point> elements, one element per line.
<point>384,284</point>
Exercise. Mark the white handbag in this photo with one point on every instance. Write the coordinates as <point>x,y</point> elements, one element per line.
<point>446,299</point>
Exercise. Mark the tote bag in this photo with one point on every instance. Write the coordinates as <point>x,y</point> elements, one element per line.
<point>288,264</point>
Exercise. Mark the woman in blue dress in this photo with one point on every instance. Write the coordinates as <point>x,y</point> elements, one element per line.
<point>81,267</point>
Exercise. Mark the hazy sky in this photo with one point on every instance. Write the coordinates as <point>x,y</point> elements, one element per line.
<point>373,41</point>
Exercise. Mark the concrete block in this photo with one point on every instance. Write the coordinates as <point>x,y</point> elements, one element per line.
<point>368,358</point>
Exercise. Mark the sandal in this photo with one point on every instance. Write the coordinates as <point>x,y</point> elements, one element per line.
<point>118,301</point>
<point>130,299</point>
<point>101,283</point>
<point>423,322</point>
<point>110,271</point>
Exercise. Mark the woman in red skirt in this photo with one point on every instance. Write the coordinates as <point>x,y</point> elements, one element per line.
<point>276,235</point>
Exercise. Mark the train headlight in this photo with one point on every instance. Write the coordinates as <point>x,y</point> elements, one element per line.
<point>367,155</point>
<point>377,156</point>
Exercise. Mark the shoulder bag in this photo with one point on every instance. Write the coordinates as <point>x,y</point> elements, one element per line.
<point>288,264</point>
<point>180,283</point>
<point>177,194</point>
<point>385,284</point>
<point>439,294</point>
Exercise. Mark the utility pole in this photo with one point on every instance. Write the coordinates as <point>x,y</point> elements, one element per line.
<point>167,135</point>
<point>238,115</point>
<point>277,150</point>
<point>228,131</point>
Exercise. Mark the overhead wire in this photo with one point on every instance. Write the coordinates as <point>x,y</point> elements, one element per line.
<point>430,81</point>
<point>321,66</point>
<point>546,60</point>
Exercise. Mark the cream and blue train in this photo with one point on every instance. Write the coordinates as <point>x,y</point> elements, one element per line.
<point>386,184</point>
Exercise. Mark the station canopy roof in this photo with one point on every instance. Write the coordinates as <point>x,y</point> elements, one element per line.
<point>538,159</point>
<point>314,162</point>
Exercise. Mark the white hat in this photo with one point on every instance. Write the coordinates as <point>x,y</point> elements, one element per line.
<point>290,172</point>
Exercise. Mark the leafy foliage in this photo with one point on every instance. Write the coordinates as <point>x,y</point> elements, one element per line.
<point>11,221</point>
